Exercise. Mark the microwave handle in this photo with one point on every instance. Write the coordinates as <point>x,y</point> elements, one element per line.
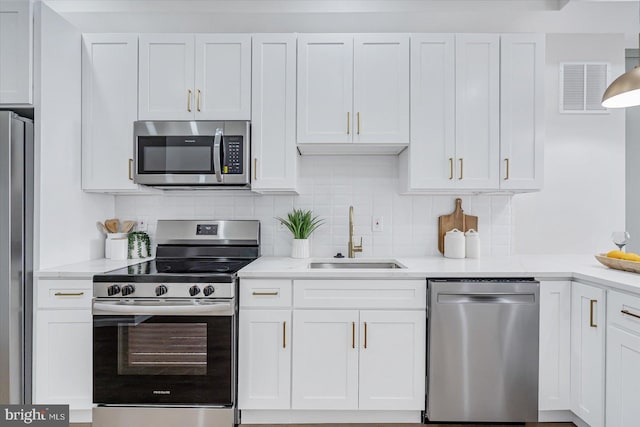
<point>217,140</point>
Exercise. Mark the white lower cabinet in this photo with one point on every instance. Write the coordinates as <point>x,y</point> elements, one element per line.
<point>62,360</point>
<point>623,360</point>
<point>588,353</point>
<point>264,357</point>
<point>325,359</point>
<point>555,346</point>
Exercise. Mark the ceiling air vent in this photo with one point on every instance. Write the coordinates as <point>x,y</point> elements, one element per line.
<point>582,86</point>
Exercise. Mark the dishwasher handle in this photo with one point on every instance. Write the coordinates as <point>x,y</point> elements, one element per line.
<point>497,298</point>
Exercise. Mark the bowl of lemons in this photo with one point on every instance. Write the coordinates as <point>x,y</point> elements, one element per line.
<point>619,260</point>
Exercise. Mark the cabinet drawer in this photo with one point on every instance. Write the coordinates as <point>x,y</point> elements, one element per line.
<point>265,293</point>
<point>377,293</point>
<point>65,293</point>
<point>622,310</point>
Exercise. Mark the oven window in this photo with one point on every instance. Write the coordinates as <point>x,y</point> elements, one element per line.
<point>176,159</point>
<point>162,349</point>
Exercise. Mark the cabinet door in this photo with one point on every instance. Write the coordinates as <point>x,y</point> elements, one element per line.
<point>273,112</point>
<point>587,353</point>
<point>63,358</point>
<point>392,360</point>
<point>109,108</point>
<point>381,88</point>
<point>16,41</point>
<point>555,346</point>
<point>521,111</point>
<point>325,359</point>
<point>223,77</point>
<point>325,88</point>
<point>264,359</point>
<point>623,377</point>
<point>431,154</point>
<point>166,77</point>
<point>477,110</point>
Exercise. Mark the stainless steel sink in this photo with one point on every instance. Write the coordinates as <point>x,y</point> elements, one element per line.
<point>365,264</point>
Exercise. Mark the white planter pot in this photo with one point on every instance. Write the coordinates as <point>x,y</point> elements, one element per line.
<point>300,248</point>
<point>138,247</point>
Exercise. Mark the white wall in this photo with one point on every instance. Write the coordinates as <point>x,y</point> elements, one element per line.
<point>328,186</point>
<point>583,197</point>
<point>67,216</point>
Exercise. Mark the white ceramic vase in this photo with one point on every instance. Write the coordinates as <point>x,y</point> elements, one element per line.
<point>300,248</point>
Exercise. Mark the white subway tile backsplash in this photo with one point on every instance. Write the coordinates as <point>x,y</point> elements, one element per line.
<point>328,185</point>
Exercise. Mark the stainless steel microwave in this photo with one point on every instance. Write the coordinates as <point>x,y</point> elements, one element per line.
<point>191,154</point>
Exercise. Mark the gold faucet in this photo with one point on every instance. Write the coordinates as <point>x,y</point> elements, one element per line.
<point>353,248</point>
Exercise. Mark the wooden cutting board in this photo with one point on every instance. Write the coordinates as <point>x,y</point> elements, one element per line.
<point>458,220</point>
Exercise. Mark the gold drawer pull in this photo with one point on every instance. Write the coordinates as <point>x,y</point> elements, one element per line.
<point>461,168</point>
<point>255,169</point>
<point>198,101</point>
<point>270,294</point>
<point>353,334</point>
<point>358,115</point>
<point>591,304</point>
<point>628,313</point>
<point>450,167</point>
<point>348,122</point>
<point>68,294</point>
<point>365,334</point>
<point>507,169</point>
<point>189,100</point>
<point>130,164</point>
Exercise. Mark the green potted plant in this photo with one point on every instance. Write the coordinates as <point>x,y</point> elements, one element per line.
<point>301,223</point>
<point>139,245</point>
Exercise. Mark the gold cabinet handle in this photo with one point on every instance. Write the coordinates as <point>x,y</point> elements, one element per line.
<point>353,334</point>
<point>358,122</point>
<point>450,167</point>
<point>591,304</point>
<point>271,294</point>
<point>255,169</point>
<point>284,334</point>
<point>129,165</point>
<point>365,334</point>
<point>348,122</point>
<point>189,100</point>
<point>628,313</point>
<point>461,168</point>
<point>198,101</point>
<point>506,177</point>
<point>69,294</point>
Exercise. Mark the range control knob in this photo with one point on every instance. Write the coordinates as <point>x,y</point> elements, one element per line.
<point>208,290</point>
<point>161,290</point>
<point>194,290</point>
<point>113,290</point>
<point>128,290</point>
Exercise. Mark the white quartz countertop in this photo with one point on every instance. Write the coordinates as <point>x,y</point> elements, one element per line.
<point>86,269</point>
<point>578,267</point>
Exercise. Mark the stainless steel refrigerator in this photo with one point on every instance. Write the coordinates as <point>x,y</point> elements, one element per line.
<point>16,257</point>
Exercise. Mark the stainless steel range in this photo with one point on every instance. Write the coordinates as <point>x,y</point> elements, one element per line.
<point>164,331</point>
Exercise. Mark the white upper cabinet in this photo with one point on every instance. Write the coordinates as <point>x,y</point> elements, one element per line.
<point>477,110</point>
<point>381,89</point>
<point>223,77</point>
<point>521,111</point>
<point>109,108</point>
<point>476,113</point>
<point>273,112</point>
<point>353,89</point>
<point>187,77</point>
<point>325,88</point>
<point>429,160</point>
<point>16,41</point>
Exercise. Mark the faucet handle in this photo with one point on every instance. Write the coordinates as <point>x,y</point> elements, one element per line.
<point>358,248</point>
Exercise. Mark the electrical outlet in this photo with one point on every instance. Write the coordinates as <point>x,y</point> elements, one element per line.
<point>377,224</point>
<point>142,225</point>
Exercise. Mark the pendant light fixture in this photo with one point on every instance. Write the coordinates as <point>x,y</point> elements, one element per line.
<point>625,90</point>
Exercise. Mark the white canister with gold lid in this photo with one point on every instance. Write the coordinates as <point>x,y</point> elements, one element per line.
<point>454,244</point>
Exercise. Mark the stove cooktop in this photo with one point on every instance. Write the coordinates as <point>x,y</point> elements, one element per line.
<point>177,271</point>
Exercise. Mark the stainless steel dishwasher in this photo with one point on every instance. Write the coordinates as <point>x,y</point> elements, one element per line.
<point>483,350</point>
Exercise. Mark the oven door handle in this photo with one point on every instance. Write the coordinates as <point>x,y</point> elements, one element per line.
<point>216,309</point>
<point>217,140</point>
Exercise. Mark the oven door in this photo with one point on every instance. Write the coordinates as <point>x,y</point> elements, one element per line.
<point>164,352</point>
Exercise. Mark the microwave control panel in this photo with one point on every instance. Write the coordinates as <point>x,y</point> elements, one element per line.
<point>232,155</point>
